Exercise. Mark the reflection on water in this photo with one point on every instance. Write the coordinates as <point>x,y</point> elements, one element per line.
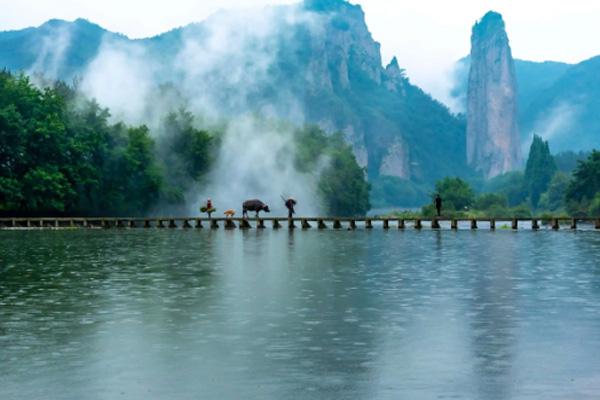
<point>304,315</point>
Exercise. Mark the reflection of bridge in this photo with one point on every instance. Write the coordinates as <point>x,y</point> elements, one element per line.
<point>304,223</point>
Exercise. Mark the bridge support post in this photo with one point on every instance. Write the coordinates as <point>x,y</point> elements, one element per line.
<point>291,224</point>
<point>597,224</point>
<point>229,224</point>
<point>368,224</point>
<point>186,224</point>
<point>473,224</point>
<point>260,224</point>
<point>555,224</point>
<point>305,224</point>
<point>199,223</point>
<point>401,224</point>
<point>337,224</point>
<point>418,224</point>
<point>172,224</point>
<point>244,224</point>
<point>435,224</point>
<point>214,224</point>
<point>147,223</point>
<point>386,224</point>
<point>454,224</point>
<point>352,224</point>
<point>159,224</point>
<point>535,225</point>
<point>492,224</point>
<point>574,223</point>
<point>276,224</point>
<point>515,224</point>
<point>132,223</point>
<point>321,224</point>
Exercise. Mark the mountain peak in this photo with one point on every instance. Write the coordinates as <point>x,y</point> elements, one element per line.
<point>328,5</point>
<point>491,24</point>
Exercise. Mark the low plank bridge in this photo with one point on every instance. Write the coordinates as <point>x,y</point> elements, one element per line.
<point>302,223</point>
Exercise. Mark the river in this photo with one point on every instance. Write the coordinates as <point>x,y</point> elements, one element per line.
<point>174,314</point>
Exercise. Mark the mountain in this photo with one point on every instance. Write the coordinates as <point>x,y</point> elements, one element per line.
<point>556,100</point>
<point>50,47</point>
<point>492,118</point>
<point>315,62</point>
<point>565,112</point>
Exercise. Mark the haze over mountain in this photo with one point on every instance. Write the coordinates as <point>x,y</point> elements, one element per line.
<point>556,100</point>
<point>312,62</point>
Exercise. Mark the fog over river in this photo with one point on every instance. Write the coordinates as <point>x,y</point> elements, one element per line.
<point>213,314</point>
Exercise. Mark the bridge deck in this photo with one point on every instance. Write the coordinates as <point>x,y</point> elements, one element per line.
<point>301,222</point>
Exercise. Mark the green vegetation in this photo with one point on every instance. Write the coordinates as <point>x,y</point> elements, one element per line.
<point>539,170</point>
<point>60,155</point>
<point>583,192</point>
<point>341,184</point>
<point>512,194</point>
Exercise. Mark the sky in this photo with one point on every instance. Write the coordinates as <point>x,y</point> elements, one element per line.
<point>427,36</point>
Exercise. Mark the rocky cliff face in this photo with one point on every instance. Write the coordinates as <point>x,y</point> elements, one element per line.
<point>312,62</point>
<point>492,128</point>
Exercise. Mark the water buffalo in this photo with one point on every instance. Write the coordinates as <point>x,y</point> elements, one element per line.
<point>254,205</point>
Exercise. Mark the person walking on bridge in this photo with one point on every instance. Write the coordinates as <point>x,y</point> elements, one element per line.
<point>438,204</point>
<point>289,204</point>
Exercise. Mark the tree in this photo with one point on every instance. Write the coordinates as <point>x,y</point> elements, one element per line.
<point>342,186</point>
<point>586,179</point>
<point>540,169</point>
<point>554,198</point>
<point>456,193</point>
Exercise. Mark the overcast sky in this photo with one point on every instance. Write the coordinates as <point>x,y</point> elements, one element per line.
<point>426,35</point>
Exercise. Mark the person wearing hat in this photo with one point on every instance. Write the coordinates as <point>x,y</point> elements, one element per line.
<point>289,204</point>
<point>208,208</point>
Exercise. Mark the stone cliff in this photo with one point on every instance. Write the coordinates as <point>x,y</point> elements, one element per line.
<point>493,143</point>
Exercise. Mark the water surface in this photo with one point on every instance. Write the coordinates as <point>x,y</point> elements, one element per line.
<point>138,314</point>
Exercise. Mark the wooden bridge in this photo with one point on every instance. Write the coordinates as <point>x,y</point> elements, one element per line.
<point>302,223</point>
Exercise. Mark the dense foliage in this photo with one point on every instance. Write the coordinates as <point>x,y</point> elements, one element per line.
<point>583,192</point>
<point>539,170</point>
<point>61,155</point>
<point>342,185</point>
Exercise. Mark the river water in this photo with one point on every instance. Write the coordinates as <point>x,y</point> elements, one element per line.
<point>149,314</point>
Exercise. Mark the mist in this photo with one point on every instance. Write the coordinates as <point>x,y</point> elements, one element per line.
<point>216,71</point>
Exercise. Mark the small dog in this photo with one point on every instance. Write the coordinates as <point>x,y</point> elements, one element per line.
<point>229,213</point>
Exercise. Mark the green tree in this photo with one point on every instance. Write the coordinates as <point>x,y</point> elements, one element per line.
<point>554,198</point>
<point>586,179</point>
<point>539,170</point>
<point>342,185</point>
<point>456,194</point>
